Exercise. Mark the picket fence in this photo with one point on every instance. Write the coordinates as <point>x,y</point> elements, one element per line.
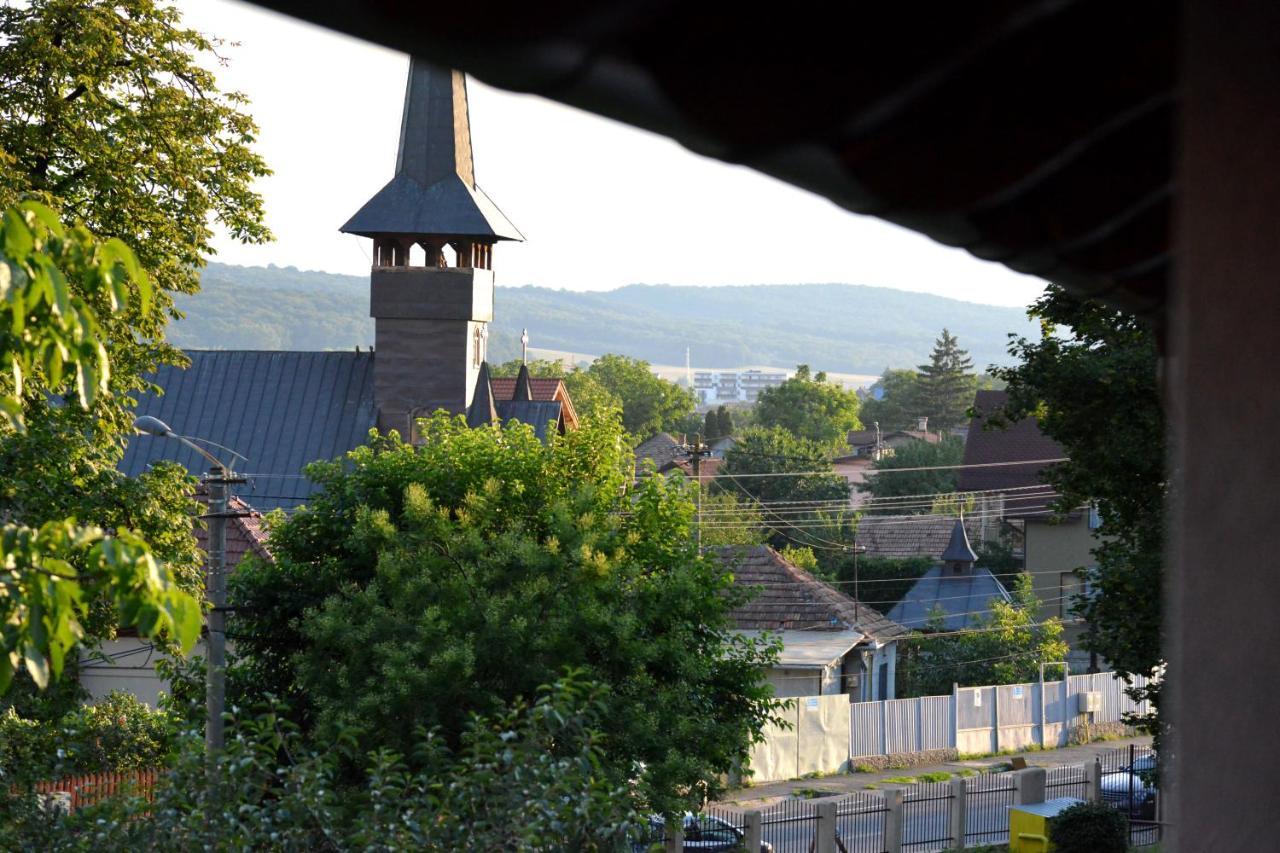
<point>89,788</point>
<point>826,733</point>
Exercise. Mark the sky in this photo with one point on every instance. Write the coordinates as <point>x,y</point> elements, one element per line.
<point>601,204</point>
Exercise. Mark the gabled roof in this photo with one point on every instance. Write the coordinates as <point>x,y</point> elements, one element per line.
<point>902,537</point>
<point>964,598</point>
<point>789,598</point>
<point>281,410</point>
<point>662,449</point>
<point>434,189</point>
<point>1022,440</point>
<point>544,389</point>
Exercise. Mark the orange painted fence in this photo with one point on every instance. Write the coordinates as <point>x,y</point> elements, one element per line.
<point>90,788</point>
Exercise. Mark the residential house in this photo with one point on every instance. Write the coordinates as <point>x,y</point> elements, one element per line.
<point>1055,546</point>
<point>866,446</point>
<point>830,642</point>
<point>670,456</point>
<point>954,594</point>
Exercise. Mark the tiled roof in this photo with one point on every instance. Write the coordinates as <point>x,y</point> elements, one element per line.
<point>964,599</point>
<point>245,534</point>
<point>790,598</point>
<point>546,389</point>
<point>901,537</point>
<point>1022,440</point>
<point>281,410</point>
<point>662,448</point>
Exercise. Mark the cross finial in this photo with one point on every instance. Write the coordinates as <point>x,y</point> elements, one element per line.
<point>524,346</point>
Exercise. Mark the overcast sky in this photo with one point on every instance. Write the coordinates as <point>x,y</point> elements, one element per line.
<point>600,204</point>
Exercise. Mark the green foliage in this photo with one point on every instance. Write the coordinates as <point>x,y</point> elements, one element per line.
<point>799,501</point>
<point>1091,382</point>
<point>426,583</point>
<point>916,454</point>
<point>899,403</point>
<point>882,581</point>
<point>53,344</point>
<point>946,385</point>
<point>730,519</point>
<point>1090,828</point>
<point>810,407</point>
<point>116,733</point>
<point>650,404</point>
<point>284,308</point>
<point>524,778</point>
<point>1005,646</point>
<point>800,557</point>
<point>717,423</point>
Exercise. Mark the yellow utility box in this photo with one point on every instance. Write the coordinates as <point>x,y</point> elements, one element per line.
<point>1029,824</point>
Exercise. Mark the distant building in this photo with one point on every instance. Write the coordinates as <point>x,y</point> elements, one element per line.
<point>733,386</point>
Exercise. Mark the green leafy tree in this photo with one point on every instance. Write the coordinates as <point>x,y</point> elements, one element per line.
<point>881,582</point>
<point>1091,382</point>
<point>899,404</point>
<point>909,484</point>
<point>946,384</point>
<point>52,342</point>
<point>650,404</point>
<point>111,119</point>
<point>790,480</point>
<point>730,519</point>
<point>1005,646</point>
<point>427,583</point>
<point>810,407</point>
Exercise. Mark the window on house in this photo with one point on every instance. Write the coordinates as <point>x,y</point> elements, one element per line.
<point>1095,517</point>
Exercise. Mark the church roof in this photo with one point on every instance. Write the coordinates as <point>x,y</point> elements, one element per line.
<point>962,600</point>
<point>434,189</point>
<point>281,410</point>
<point>958,549</point>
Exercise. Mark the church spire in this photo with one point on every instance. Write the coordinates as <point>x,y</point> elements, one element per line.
<point>433,192</point>
<point>524,388</point>
<point>482,410</point>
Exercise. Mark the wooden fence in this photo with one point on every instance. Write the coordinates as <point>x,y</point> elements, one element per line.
<point>89,788</point>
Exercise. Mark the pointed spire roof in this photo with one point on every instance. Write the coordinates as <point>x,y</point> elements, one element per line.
<point>434,189</point>
<point>524,388</point>
<point>958,549</point>
<point>482,410</point>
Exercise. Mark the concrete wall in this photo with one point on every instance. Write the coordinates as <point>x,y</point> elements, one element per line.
<point>816,741</point>
<point>130,667</point>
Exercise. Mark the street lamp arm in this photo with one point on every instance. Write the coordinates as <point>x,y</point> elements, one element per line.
<point>198,449</point>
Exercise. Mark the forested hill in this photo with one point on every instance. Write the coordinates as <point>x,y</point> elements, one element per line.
<point>838,327</point>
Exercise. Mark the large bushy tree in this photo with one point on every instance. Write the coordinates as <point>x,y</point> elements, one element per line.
<point>897,405</point>
<point>1090,381</point>
<point>946,384</point>
<point>810,407</point>
<point>650,403</point>
<point>426,583</point>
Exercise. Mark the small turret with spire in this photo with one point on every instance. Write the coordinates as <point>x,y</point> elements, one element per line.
<point>959,556</point>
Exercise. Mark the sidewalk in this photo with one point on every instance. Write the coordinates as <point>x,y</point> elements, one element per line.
<point>766,794</point>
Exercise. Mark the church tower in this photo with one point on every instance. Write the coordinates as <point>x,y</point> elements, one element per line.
<point>433,231</point>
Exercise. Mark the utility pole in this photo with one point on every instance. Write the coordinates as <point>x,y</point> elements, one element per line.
<point>218,482</point>
<point>857,599</point>
<point>695,454</point>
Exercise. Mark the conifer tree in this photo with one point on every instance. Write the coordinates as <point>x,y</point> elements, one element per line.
<point>947,384</point>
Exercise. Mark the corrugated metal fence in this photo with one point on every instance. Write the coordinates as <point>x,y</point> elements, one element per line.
<point>972,720</point>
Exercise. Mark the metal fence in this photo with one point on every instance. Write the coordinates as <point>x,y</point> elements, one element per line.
<point>929,816</point>
<point>926,816</point>
<point>987,801</point>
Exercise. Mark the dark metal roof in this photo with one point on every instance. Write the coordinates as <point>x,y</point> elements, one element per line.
<point>539,414</point>
<point>434,189</point>
<point>281,410</point>
<point>976,124</point>
<point>1016,442</point>
<point>482,410</point>
<point>963,599</point>
<point>958,549</point>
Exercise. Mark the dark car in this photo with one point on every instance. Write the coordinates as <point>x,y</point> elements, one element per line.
<point>1128,789</point>
<point>701,833</point>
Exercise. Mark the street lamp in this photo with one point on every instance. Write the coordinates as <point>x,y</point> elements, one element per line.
<point>218,480</point>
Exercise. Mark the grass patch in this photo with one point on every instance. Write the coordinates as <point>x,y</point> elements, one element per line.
<point>967,772</point>
<point>872,787</point>
<point>937,776</point>
<point>863,768</point>
<point>901,780</point>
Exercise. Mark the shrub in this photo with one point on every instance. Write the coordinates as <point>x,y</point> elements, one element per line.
<point>1090,828</point>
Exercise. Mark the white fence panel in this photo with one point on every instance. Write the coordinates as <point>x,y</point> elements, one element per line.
<point>937,723</point>
<point>866,729</point>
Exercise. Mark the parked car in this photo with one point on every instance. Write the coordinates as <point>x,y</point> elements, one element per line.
<point>703,833</point>
<point>1128,782</point>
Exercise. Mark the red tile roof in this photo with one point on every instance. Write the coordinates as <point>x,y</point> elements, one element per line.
<point>546,389</point>
<point>245,534</point>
